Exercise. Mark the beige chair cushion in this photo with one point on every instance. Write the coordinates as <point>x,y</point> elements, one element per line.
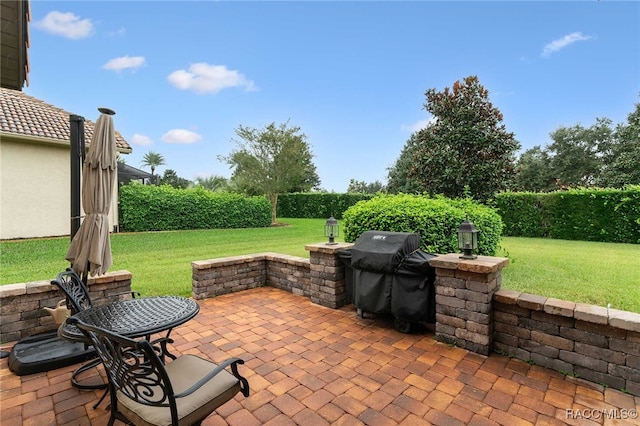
<point>184,372</point>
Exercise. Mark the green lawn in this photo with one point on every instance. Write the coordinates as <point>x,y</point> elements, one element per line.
<point>160,261</point>
<point>596,273</point>
<point>580,271</point>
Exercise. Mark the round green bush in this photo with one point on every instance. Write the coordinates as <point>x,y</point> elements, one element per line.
<point>435,219</point>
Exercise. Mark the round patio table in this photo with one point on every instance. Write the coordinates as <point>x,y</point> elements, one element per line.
<point>134,317</point>
<point>131,318</point>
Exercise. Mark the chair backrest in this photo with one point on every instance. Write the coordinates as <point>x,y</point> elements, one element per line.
<point>133,368</point>
<point>75,290</point>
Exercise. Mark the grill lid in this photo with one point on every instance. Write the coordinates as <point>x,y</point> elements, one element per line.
<point>383,251</point>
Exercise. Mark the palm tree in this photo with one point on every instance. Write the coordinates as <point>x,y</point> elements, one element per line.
<point>213,183</point>
<point>153,160</point>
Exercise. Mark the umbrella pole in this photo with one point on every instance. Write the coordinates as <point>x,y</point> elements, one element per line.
<point>77,155</point>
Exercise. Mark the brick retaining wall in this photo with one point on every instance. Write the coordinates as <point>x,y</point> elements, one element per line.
<point>321,277</point>
<point>592,342</point>
<point>214,277</point>
<point>21,305</point>
<point>327,280</point>
<point>464,300</point>
<point>289,273</point>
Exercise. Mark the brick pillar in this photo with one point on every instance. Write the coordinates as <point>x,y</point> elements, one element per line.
<point>464,300</point>
<point>327,274</point>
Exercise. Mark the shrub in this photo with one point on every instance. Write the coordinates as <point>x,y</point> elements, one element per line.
<point>521,214</point>
<point>317,205</point>
<point>162,208</point>
<point>606,215</point>
<point>436,220</point>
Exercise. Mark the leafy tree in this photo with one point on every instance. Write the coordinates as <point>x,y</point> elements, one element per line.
<point>534,172</point>
<point>213,183</point>
<point>467,145</point>
<point>622,159</point>
<point>170,177</point>
<point>398,179</point>
<point>599,155</point>
<point>271,161</point>
<point>240,184</point>
<point>575,153</point>
<point>362,187</point>
<point>152,160</point>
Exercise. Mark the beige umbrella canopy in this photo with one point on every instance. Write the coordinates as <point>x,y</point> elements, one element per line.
<point>90,250</point>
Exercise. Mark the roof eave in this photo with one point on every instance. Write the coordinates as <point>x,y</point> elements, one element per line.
<point>38,140</point>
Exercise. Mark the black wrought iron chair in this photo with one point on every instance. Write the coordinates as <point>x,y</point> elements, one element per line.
<point>78,299</point>
<point>146,391</point>
<point>76,291</point>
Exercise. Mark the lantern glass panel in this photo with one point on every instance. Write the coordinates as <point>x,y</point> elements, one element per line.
<point>331,229</point>
<point>467,240</point>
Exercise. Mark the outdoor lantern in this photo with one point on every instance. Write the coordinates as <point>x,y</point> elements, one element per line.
<point>467,239</point>
<point>331,229</point>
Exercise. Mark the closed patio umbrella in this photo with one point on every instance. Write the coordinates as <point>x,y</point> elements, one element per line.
<point>90,250</point>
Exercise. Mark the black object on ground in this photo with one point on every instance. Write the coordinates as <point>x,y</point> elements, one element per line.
<point>45,352</point>
<point>349,273</point>
<point>386,272</point>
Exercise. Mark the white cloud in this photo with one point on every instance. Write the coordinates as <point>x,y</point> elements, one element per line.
<point>66,25</point>
<point>119,32</point>
<point>418,125</point>
<point>181,136</point>
<point>563,42</point>
<point>124,62</point>
<point>142,140</point>
<point>205,78</point>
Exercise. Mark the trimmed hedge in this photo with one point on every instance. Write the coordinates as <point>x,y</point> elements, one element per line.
<point>317,205</point>
<point>436,220</point>
<point>606,215</point>
<point>163,208</point>
<point>521,213</point>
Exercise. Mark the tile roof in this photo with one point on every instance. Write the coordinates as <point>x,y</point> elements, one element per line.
<point>27,116</point>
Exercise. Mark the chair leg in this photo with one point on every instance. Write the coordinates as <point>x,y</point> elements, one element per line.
<point>89,365</point>
<point>105,393</point>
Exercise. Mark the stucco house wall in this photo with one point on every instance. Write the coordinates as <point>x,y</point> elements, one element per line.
<point>35,196</point>
<point>35,167</point>
<point>31,202</point>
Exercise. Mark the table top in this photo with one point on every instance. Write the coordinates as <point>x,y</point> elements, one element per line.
<point>135,317</point>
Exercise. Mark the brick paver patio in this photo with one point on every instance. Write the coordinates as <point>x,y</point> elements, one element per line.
<point>310,365</point>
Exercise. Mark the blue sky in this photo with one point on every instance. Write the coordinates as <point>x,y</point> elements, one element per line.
<point>182,76</point>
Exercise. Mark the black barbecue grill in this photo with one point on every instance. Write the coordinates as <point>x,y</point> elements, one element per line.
<point>386,272</point>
